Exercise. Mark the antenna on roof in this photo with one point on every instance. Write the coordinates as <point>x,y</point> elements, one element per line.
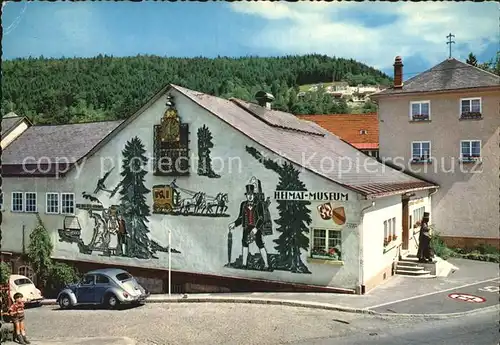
<point>450,42</point>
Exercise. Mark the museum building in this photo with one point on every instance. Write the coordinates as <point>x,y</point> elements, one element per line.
<point>246,198</point>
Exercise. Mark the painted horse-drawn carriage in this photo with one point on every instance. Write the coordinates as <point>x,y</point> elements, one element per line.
<point>171,199</point>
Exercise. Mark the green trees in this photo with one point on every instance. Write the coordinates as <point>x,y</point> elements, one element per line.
<point>471,60</point>
<point>50,276</point>
<point>39,252</point>
<point>59,91</point>
<point>133,199</point>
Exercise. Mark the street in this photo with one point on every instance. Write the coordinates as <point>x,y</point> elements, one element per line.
<point>480,329</point>
<point>248,324</point>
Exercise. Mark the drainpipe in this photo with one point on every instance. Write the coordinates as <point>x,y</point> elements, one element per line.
<point>430,195</point>
<point>360,252</point>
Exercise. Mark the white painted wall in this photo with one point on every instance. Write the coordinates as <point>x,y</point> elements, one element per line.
<point>375,258</point>
<point>202,241</point>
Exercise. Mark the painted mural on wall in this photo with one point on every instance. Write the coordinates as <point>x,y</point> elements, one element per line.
<point>205,144</point>
<point>327,212</point>
<point>294,219</point>
<point>176,201</point>
<point>127,222</point>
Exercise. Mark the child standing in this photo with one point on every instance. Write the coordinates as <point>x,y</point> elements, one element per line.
<point>16,311</point>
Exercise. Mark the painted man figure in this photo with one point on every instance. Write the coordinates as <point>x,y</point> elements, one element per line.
<point>122,236</point>
<point>424,246</point>
<point>251,219</point>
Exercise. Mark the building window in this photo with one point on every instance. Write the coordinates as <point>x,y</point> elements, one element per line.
<point>17,202</point>
<point>420,111</point>
<point>1,201</point>
<point>67,203</point>
<point>421,152</point>
<point>390,231</point>
<point>30,202</point>
<point>363,131</point>
<point>470,150</point>
<point>26,271</point>
<point>470,108</point>
<point>327,244</point>
<point>418,214</point>
<point>52,203</point>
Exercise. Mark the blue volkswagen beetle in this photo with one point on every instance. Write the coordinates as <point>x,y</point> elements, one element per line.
<point>109,287</point>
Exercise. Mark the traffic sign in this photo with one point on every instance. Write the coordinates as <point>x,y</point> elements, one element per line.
<point>467,298</point>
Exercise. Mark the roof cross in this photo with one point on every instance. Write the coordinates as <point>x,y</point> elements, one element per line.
<point>450,42</point>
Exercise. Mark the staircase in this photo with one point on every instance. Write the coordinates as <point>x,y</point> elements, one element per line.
<point>409,266</point>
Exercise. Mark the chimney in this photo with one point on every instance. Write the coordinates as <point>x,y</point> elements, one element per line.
<point>398,72</point>
<point>264,99</point>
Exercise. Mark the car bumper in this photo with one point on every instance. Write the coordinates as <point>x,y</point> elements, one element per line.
<point>34,301</point>
<point>136,299</point>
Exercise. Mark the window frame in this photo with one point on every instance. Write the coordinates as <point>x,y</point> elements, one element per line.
<point>12,202</point>
<point>420,106</point>
<point>428,160</point>
<point>61,207</point>
<point>26,202</point>
<point>58,206</point>
<point>390,233</point>
<point>470,157</point>
<point>470,99</point>
<point>327,247</point>
<point>418,214</point>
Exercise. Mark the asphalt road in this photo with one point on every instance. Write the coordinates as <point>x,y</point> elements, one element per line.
<point>193,324</point>
<point>451,301</point>
<point>478,329</point>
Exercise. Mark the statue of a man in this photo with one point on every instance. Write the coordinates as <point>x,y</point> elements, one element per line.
<point>424,241</point>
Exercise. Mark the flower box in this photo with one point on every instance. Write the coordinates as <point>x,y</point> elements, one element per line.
<point>421,160</point>
<point>471,115</point>
<point>470,159</point>
<point>420,117</point>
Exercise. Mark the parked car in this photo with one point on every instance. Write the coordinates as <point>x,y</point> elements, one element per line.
<point>24,285</point>
<point>109,287</point>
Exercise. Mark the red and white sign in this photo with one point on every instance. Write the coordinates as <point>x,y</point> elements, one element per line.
<point>467,298</point>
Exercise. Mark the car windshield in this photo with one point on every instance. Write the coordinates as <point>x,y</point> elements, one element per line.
<point>123,276</point>
<point>22,281</point>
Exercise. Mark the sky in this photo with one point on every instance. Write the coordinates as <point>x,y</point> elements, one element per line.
<point>369,32</point>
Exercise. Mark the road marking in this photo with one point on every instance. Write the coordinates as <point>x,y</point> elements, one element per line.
<point>490,289</point>
<point>431,293</point>
<point>467,298</point>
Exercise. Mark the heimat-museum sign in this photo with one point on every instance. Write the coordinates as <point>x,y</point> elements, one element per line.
<point>310,196</point>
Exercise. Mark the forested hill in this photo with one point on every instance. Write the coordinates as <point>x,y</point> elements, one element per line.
<point>68,90</point>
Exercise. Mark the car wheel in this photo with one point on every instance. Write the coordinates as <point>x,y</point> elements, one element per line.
<point>64,302</point>
<point>111,301</point>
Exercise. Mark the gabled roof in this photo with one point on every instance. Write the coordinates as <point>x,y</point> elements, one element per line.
<point>349,127</point>
<point>451,74</point>
<point>301,142</point>
<point>326,155</point>
<point>68,143</point>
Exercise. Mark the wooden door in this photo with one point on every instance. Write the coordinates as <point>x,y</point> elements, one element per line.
<point>405,234</point>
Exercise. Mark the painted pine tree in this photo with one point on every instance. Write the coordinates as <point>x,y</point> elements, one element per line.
<point>205,144</point>
<point>133,199</point>
<point>294,217</point>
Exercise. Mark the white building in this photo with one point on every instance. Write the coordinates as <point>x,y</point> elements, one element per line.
<point>326,215</point>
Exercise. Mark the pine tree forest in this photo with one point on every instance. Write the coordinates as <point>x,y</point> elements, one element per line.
<point>70,90</point>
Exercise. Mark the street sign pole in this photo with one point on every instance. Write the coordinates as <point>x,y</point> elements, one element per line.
<point>169,262</point>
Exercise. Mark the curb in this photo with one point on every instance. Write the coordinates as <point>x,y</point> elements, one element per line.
<point>302,304</point>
